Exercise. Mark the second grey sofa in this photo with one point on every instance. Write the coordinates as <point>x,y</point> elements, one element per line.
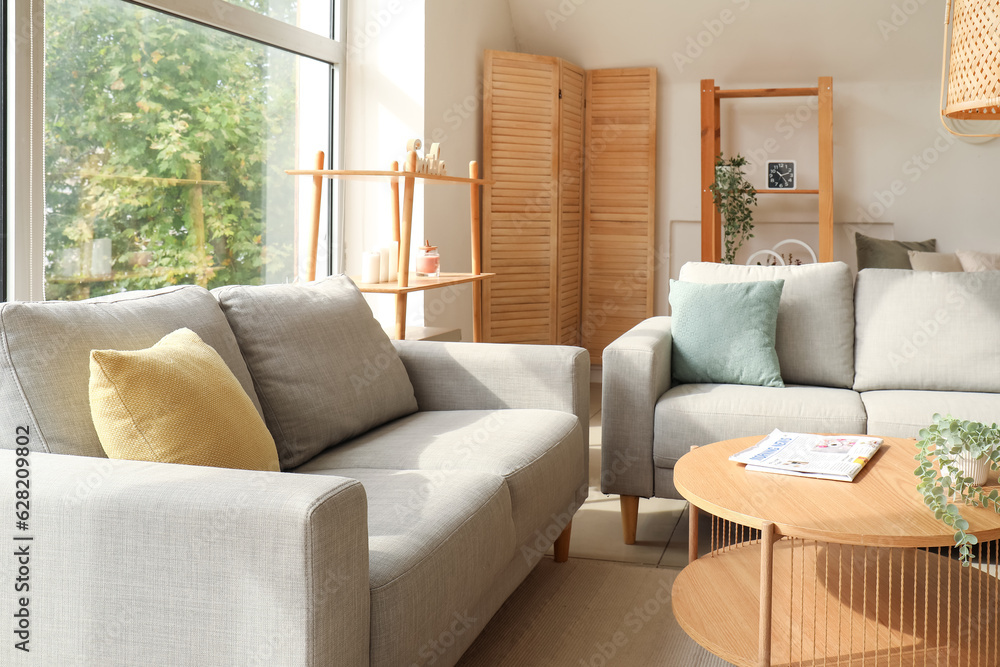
<point>880,356</point>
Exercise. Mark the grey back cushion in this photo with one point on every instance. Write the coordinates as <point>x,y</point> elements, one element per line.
<point>322,366</point>
<point>928,330</point>
<point>815,333</point>
<point>45,356</point>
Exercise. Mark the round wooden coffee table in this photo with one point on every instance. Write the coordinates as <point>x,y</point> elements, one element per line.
<point>808,572</point>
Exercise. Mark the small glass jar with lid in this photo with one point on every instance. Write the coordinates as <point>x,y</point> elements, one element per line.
<point>428,261</point>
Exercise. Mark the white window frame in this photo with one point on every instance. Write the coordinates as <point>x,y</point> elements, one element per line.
<point>26,91</point>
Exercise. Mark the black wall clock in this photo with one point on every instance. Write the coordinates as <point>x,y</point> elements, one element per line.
<point>781,174</point>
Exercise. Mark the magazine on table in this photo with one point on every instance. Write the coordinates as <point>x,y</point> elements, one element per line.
<point>838,457</point>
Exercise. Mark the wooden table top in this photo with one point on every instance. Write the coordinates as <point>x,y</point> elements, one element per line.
<point>881,507</point>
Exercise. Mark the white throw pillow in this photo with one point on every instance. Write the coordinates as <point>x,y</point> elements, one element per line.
<point>979,261</point>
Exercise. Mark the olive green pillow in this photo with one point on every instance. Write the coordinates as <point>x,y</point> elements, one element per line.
<point>888,254</point>
<point>724,333</point>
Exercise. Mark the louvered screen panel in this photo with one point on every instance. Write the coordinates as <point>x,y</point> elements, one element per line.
<point>619,200</point>
<point>520,146</point>
<point>571,85</point>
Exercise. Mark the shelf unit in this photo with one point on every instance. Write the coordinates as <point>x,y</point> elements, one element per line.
<point>402,218</point>
<point>711,147</point>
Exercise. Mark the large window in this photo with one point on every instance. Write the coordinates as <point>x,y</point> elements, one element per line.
<point>166,140</point>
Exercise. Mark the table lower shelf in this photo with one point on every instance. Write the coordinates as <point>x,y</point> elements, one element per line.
<point>842,605</point>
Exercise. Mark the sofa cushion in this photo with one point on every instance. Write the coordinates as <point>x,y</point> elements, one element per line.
<point>436,541</point>
<point>927,330</point>
<point>725,332</point>
<point>901,414</point>
<point>176,402</point>
<point>876,253</point>
<point>973,260</point>
<point>934,261</point>
<point>45,355</point>
<point>815,332</point>
<point>322,366</point>
<point>538,453</point>
<point>700,414</point>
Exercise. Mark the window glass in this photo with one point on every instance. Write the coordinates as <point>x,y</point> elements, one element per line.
<point>165,149</point>
<point>312,15</point>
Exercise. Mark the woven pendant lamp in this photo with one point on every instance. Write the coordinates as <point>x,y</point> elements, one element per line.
<point>970,78</point>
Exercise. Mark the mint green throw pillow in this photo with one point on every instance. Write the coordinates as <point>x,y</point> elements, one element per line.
<point>724,333</point>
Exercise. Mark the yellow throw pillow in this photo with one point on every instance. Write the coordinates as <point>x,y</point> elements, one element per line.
<point>176,402</point>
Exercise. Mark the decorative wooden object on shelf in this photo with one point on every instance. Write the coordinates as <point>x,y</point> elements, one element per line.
<point>711,147</point>
<point>401,227</point>
<point>540,236</point>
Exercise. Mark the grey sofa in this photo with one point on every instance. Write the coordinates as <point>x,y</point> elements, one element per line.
<point>420,484</point>
<point>878,355</point>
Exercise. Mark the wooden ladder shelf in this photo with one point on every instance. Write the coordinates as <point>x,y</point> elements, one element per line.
<point>711,148</point>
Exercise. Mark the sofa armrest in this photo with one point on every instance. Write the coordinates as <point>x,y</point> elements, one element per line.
<point>636,372</point>
<point>135,563</point>
<point>490,376</point>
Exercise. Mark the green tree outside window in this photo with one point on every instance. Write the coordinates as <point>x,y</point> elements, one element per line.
<point>165,141</point>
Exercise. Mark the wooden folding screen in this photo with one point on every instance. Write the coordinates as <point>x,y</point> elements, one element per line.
<point>521,154</point>
<point>619,202</point>
<point>571,154</point>
<point>534,226</point>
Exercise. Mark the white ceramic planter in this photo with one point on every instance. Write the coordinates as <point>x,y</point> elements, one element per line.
<point>977,469</point>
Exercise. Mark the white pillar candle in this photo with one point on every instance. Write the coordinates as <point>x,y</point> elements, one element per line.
<point>394,261</point>
<point>383,265</point>
<point>100,257</point>
<point>370,267</point>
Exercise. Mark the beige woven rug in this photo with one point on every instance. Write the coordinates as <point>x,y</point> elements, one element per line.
<point>589,613</point>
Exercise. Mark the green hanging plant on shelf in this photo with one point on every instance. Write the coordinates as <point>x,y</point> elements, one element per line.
<point>733,197</point>
<point>952,443</point>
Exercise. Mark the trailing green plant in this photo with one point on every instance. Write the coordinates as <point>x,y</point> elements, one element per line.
<point>733,197</point>
<point>943,442</point>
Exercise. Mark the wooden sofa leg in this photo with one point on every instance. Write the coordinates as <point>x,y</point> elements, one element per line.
<point>561,546</point>
<point>630,517</point>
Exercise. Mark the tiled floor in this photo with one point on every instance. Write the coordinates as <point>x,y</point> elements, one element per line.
<point>662,532</point>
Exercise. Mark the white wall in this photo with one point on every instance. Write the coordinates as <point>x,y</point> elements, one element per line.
<point>884,56</point>
<point>415,71</point>
<point>457,33</point>
<point>384,109</point>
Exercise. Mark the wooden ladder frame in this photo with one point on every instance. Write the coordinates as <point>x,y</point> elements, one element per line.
<point>711,148</point>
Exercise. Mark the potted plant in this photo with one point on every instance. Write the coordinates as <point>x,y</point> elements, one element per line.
<point>958,447</point>
<point>733,196</point>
